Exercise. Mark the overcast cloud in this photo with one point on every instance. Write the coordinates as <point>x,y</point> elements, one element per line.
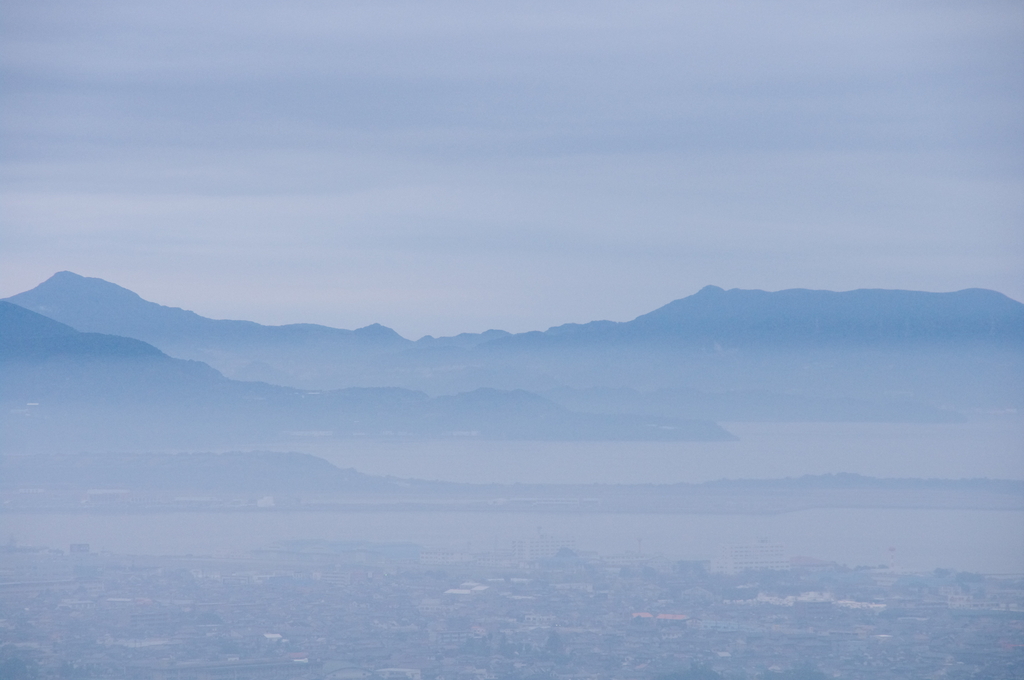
<point>446,167</point>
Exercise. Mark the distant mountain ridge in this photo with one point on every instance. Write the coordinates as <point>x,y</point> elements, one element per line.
<point>60,388</point>
<point>236,481</point>
<point>97,306</point>
<point>733,317</point>
<point>25,335</point>
<point>751,318</point>
<point>277,471</point>
<point>797,354</point>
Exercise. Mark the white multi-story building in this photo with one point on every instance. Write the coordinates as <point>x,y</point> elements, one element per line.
<point>738,557</point>
<point>540,547</point>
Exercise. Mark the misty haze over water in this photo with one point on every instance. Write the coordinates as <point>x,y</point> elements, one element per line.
<point>880,471</point>
<point>462,341</point>
<point>924,538</point>
<point>763,450</point>
<point>972,540</point>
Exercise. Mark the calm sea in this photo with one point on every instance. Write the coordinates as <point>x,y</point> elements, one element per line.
<point>985,541</point>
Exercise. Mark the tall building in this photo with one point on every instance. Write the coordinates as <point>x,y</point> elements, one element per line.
<point>540,547</point>
<point>738,557</point>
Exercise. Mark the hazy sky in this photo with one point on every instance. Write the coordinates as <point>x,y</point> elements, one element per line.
<point>442,167</point>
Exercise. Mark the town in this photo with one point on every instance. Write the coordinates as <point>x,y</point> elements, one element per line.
<point>541,609</point>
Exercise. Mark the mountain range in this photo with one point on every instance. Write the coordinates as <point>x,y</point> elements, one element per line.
<point>712,318</point>
<point>97,352</point>
<point>63,388</point>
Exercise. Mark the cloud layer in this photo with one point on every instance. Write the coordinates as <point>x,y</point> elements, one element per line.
<point>446,167</point>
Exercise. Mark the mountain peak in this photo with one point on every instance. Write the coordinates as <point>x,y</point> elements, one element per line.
<point>68,282</point>
<point>93,305</point>
<point>377,332</point>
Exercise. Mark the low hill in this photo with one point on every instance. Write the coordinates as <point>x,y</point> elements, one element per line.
<point>27,336</point>
<point>61,389</point>
<point>235,481</point>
